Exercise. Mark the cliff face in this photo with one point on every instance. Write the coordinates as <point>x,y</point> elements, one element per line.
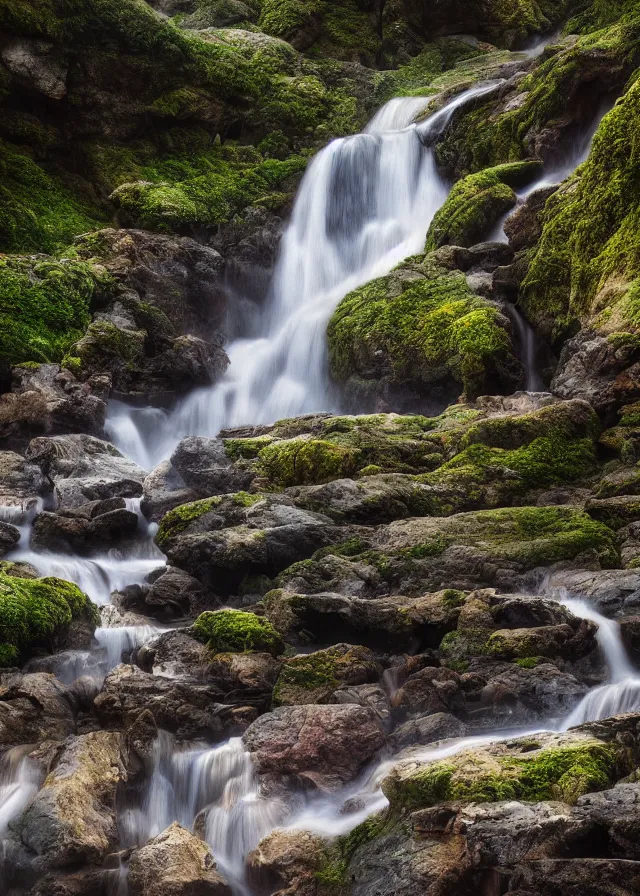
<point>385,650</point>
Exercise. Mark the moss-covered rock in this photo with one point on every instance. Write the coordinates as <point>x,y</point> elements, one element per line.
<point>44,306</point>
<point>35,615</point>
<point>314,677</point>
<point>556,767</point>
<point>476,204</point>
<point>235,631</point>
<point>589,272</point>
<point>421,328</point>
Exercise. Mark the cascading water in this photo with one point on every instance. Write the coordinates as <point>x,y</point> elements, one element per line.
<point>364,205</point>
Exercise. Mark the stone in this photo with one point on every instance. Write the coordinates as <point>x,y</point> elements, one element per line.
<point>205,467</point>
<point>324,745</point>
<point>21,482</point>
<point>425,730</point>
<point>85,528</point>
<point>182,277</point>
<point>163,490</point>
<point>83,468</point>
<point>287,862</point>
<point>173,594</point>
<point>613,592</point>
<point>48,399</point>
<point>9,538</point>
<point>36,63</point>
<point>186,707</point>
<point>72,818</point>
<point>312,678</point>
<point>34,707</point>
<point>175,863</point>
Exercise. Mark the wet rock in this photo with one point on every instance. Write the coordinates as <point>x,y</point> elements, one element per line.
<point>185,707</point>
<point>248,677</point>
<point>20,481</point>
<point>175,863</point>
<point>555,641</point>
<point>325,745</point>
<point>72,818</point>
<point>90,882</point>
<point>287,862</point>
<point>9,538</point>
<point>85,527</point>
<point>37,65</point>
<point>164,489</point>
<point>33,708</point>
<point>172,595</point>
<point>371,696</point>
<point>47,399</point>
<point>614,592</point>
<point>136,345</point>
<point>630,633</point>
<point>315,677</point>
<point>431,690</point>
<point>398,622</point>
<point>524,226</point>
<point>207,469</point>
<point>425,730</point>
<point>174,654</point>
<point>84,469</point>
<point>180,276</point>
<point>578,877</point>
<point>604,372</point>
<point>507,694</point>
<point>223,541</point>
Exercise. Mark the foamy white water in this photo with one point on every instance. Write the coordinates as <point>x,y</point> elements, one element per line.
<point>365,204</point>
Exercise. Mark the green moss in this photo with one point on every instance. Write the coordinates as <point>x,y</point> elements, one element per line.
<point>177,520</point>
<point>235,631</point>
<point>307,461</point>
<point>44,306</point>
<point>37,212</point>
<point>546,461</point>
<point>200,189</point>
<point>423,326</point>
<point>563,773</point>
<point>34,611</point>
<point>528,662</point>
<point>587,264</point>
<point>476,203</point>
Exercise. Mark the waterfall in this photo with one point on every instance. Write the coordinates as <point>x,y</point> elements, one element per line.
<point>364,205</point>
<point>533,381</point>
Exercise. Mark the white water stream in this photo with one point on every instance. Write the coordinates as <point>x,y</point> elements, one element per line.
<point>364,205</point>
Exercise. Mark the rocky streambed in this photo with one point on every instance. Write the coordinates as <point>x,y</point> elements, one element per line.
<point>319,514</point>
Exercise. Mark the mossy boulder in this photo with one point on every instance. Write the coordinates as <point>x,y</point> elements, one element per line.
<point>422,330</point>
<point>38,614</point>
<point>476,203</point>
<point>315,677</point>
<point>235,631</point>
<point>548,767</point>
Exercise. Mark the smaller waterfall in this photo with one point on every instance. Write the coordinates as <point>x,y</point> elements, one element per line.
<point>622,693</point>
<point>20,780</point>
<point>527,340</point>
<point>214,789</point>
<point>99,575</point>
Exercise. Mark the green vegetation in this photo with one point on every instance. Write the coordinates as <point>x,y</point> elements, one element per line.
<point>234,631</point>
<point>561,773</point>
<point>37,212</point>
<point>312,677</point>
<point>305,461</point>
<point>476,203</point>
<point>423,328</point>
<point>177,520</point>
<point>587,263</point>
<point>34,612</point>
<point>44,306</point>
